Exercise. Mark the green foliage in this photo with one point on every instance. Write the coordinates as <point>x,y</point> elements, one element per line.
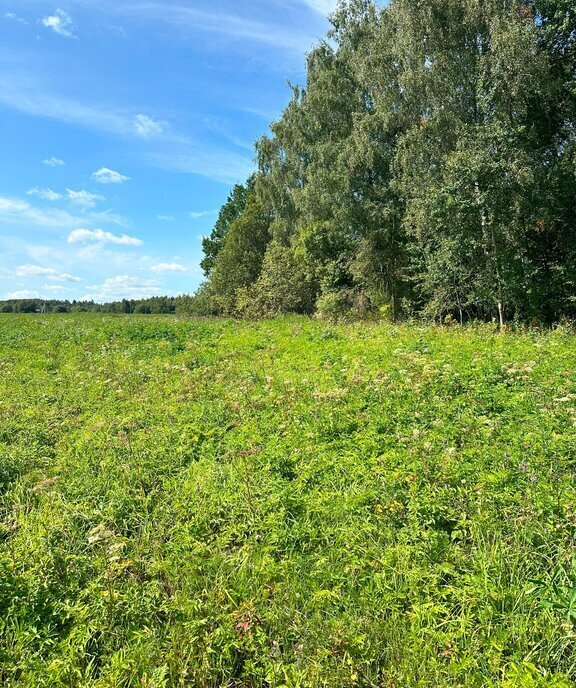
<point>282,287</point>
<point>283,503</point>
<point>429,161</point>
<point>153,305</point>
<point>240,261</point>
<point>559,591</point>
<point>342,305</point>
<point>230,212</point>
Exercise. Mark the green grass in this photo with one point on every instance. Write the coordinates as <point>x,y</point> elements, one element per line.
<point>286,503</point>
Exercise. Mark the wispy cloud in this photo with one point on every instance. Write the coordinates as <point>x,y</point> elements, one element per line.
<point>191,20</point>
<point>203,213</point>
<point>123,287</point>
<point>48,273</point>
<point>84,198</point>
<point>24,93</point>
<point>118,30</point>
<point>56,288</point>
<point>217,164</point>
<point>54,162</point>
<point>15,17</point>
<point>222,129</point>
<point>162,268</point>
<point>106,217</point>
<point>24,294</point>
<point>46,194</point>
<point>17,210</point>
<point>84,236</point>
<point>60,22</point>
<point>106,176</point>
<point>95,258</point>
<point>166,218</point>
<point>147,127</point>
<point>177,153</point>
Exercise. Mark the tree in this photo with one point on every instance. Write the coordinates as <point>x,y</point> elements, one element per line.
<point>239,262</point>
<point>230,212</point>
<point>427,165</point>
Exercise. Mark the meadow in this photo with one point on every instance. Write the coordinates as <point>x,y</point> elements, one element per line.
<point>285,503</point>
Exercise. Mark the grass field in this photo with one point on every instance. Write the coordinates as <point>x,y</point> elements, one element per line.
<point>285,503</point>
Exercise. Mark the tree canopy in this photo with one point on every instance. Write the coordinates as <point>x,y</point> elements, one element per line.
<point>428,166</point>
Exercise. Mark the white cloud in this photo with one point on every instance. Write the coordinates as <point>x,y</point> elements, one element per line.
<point>49,273</point>
<point>56,288</point>
<point>203,213</point>
<point>46,194</point>
<point>12,205</point>
<point>105,217</point>
<point>60,22</point>
<point>83,198</point>
<point>147,128</point>
<point>191,20</point>
<point>83,236</point>
<point>107,176</point>
<point>222,129</point>
<point>33,271</point>
<point>43,254</point>
<point>54,162</point>
<point>24,93</point>
<point>123,287</point>
<point>16,210</point>
<point>15,17</point>
<point>24,294</point>
<point>119,30</point>
<point>161,268</point>
<point>166,218</point>
<point>92,258</point>
<point>86,199</point>
<point>217,164</point>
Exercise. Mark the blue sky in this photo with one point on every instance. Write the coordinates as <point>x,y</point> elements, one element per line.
<point>123,124</point>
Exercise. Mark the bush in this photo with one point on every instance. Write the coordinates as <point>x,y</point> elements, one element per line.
<point>203,303</point>
<point>283,286</point>
<point>345,304</point>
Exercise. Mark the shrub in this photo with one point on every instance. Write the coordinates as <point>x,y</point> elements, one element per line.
<point>345,304</point>
<point>283,286</point>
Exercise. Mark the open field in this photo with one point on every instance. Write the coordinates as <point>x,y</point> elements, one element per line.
<point>285,503</point>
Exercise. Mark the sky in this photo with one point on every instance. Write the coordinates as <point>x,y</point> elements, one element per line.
<point>123,126</point>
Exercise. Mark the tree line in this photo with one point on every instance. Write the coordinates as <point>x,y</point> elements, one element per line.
<point>427,167</point>
<point>154,305</point>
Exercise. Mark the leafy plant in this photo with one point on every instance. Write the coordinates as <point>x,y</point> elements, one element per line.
<point>558,592</point>
<point>284,503</point>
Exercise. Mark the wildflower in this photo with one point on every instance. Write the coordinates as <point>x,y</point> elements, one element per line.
<point>99,534</point>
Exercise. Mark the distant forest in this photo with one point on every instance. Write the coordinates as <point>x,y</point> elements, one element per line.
<point>426,168</point>
<point>153,305</point>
